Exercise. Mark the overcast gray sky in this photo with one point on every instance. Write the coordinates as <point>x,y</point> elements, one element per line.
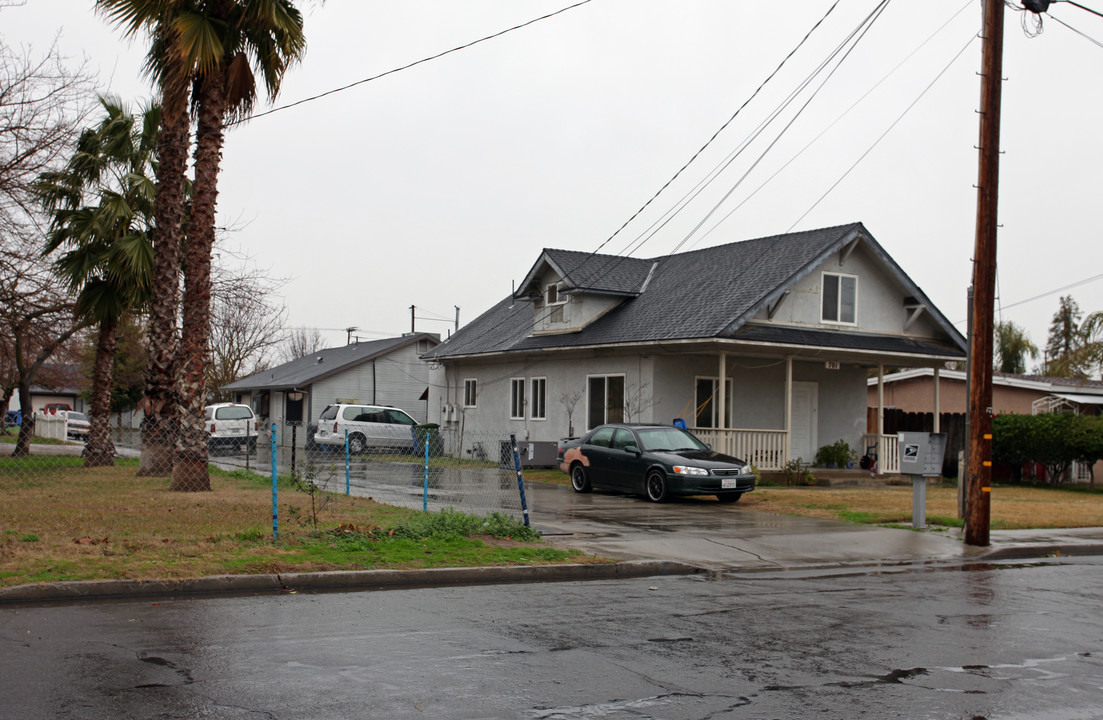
<point>439,185</point>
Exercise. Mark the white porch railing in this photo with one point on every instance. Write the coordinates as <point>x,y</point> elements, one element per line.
<point>765,449</point>
<point>887,449</point>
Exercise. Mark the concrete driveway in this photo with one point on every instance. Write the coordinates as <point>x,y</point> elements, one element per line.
<point>717,536</point>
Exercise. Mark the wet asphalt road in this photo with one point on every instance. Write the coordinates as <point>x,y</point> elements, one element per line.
<point>1008,640</point>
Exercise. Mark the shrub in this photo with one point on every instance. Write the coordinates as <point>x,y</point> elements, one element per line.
<point>837,454</point>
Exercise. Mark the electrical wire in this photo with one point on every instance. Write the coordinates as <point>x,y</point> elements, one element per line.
<point>834,122</point>
<point>407,66</point>
<point>609,269</point>
<point>1087,37</point>
<point>720,130</point>
<point>859,32</point>
<point>885,133</point>
<point>1045,294</point>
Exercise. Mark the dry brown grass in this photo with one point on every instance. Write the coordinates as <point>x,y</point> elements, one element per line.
<point>108,523</point>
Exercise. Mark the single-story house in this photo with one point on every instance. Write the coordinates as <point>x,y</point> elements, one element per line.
<point>789,326</point>
<point>375,372</point>
<point>913,391</point>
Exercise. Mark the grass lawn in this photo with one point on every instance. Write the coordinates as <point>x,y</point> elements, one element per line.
<point>60,521</point>
<point>1013,506</point>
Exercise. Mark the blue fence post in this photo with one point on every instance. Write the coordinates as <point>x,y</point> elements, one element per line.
<point>275,496</point>
<point>425,492</point>
<point>520,480</point>
<point>346,461</point>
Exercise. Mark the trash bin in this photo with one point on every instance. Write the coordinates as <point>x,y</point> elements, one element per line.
<point>426,432</point>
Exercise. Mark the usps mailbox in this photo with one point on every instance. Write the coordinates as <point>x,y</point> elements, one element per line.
<point>921,457</point>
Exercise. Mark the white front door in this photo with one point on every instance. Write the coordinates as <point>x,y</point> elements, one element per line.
<point>802,436</point>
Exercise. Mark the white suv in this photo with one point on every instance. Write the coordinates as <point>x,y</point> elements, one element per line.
<point>378,427</point>
<point>231,425</point>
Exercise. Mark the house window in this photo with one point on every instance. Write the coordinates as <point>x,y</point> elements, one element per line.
<point>708,404</point>
<point>470,392</point>
<point>517,399</point>
<point>552,296</point>
<point>605,400</point>
<point>539,398</point>
<point>840,298</point>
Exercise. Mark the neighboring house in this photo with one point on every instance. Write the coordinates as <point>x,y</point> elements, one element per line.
<point>913,391</point>
<point>377,372</point>
<point>788,325</point>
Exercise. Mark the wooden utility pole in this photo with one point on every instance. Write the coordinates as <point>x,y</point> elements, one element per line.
<point>978,504</point>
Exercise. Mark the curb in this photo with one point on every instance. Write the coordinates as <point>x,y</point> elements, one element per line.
<point>222,585</point>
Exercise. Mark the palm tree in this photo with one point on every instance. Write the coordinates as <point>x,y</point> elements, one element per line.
<point>1012,348</point>
<point>251,37</point>
<point>171,60</point>
<point>107,258</point>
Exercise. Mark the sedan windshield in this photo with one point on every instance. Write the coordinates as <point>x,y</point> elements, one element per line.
<point>668,439</point>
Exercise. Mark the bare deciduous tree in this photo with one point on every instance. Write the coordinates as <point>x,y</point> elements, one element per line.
<point>246,323</point>
<point>43,104</point>
<point>569,400</point>
<point>300,342</point>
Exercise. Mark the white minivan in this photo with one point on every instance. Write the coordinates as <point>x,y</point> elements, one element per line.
<point>376,427</point>
<point>231,425</point>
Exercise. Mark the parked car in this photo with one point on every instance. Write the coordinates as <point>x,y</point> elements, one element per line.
<point>55,407</point>
<point>656,461</point>
<point>376,427</point>
<point>12,418</point>
<point>77,426</point>
<point>231,425</point>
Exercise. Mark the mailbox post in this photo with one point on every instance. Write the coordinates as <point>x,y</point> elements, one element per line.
<point>921,457</point>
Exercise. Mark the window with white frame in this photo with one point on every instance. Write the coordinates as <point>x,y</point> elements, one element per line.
<point>840,298</point>
<point>708,404</point>
<point>538,399</point>
<point>604,400</point>
<point>517,399</point>
<point>552,295</point>
<point>470,392</point>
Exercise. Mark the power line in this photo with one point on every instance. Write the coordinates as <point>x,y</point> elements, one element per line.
<point>1047,293</point>
<point>885,133</point>
<point>834,122</point>
<point>408,66</point>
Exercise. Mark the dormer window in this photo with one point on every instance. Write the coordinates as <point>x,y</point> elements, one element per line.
<point>840,299</point>
<point>552,295</point>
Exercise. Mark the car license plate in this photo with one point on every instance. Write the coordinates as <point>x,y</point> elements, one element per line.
<point>235,431</point>
<point>729,483</point>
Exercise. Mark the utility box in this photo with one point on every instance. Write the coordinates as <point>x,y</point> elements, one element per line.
<point>921,457</point>
<point>922,453</point>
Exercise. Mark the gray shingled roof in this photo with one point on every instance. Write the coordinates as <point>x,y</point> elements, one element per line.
<point>609,274</point>
<point>306,370</point>
<point>704,294</point>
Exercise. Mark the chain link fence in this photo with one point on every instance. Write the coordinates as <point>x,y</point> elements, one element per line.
<point>56,489</point>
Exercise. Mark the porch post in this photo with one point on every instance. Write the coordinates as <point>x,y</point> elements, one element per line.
<point>722,405</point>
<point>937,407</point>
<point>880,402</point>
<point>788,408</point>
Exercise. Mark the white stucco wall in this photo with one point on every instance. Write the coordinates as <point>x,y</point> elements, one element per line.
<point>880,307</point>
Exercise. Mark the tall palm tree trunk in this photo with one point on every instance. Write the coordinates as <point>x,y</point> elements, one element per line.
<point>190,470</point>
<point>99,450</point>
<point>160,401</point>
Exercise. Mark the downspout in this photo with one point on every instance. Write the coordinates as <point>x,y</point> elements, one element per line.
<point>374,385</point>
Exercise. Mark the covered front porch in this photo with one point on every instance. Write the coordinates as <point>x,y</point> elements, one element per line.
<point>773,449</point>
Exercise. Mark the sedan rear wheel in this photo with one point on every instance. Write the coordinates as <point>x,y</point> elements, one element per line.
<point>580,479</point>
<point>656,487</point>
